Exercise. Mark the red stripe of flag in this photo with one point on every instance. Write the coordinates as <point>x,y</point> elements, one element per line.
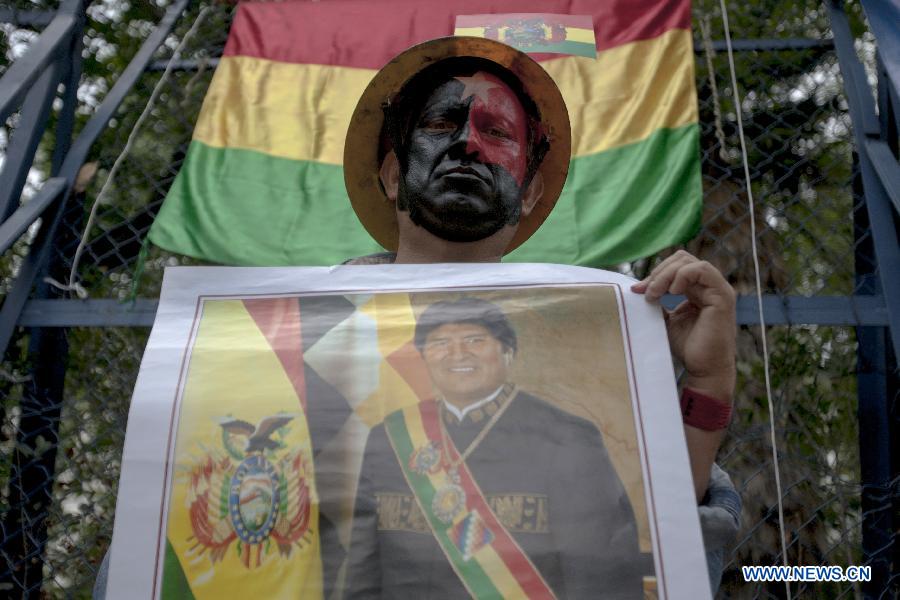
<point>522,569</point>
<point>430,423</point>
<point>366,34</point>
<point>279,321</point>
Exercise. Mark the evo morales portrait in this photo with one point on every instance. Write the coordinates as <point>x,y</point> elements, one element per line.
<point>486,488</point>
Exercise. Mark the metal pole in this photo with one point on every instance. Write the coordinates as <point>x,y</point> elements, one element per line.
<point>873,414</point>
<point>889,116</point>
<point>877,265</point>
<point>33,469</point>
<point>25,139</point>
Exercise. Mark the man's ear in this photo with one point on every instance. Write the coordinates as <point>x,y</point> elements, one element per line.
<point>390,176</point>
<point>532,194</point>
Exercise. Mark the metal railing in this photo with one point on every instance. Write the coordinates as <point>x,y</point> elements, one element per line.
<point>31,83</point>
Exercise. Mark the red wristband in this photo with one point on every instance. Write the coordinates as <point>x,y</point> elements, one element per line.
<point>704,412</point>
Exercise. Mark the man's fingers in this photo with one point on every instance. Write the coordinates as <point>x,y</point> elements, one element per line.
<point>682,273</point>
<point>664,274</point>
<point>641,285</point>
<point>689,276</point>
<point>677,257</point>
<point>703,285</point>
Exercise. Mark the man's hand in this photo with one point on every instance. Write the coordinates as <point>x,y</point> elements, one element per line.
<point>702,328</point>
<point>702,335</point>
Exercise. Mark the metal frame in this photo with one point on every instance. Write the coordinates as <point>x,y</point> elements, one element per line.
<point>877,378</point>
<point>74,159</point>
<point>58,52</point>
<point>819,310</point>
<point>30,85</point>
<point>878,191</point>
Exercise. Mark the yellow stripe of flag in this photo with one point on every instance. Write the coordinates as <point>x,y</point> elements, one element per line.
<point>618,99</point>
<point>395,323</point>
<point>577,34</point>
<point>469,31</point>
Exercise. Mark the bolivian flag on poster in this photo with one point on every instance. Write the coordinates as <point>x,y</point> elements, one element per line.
<point>243,512</point>
<point>271,412</point>
<point>262,183</point>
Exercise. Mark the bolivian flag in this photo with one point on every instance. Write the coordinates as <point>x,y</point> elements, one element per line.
<point>243,511</point>
<point>279,398</point>
<point>262,183</point>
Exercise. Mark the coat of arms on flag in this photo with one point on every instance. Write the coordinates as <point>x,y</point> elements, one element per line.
<point>534,32</point>
<point>322,433</point>
<point>243,511</point>
<point>267,486</point>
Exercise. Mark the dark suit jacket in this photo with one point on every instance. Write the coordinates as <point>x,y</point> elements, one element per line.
<point>547,476</point>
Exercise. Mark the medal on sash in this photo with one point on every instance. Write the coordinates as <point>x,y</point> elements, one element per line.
<point>450,499</point>
<point>484,555</point>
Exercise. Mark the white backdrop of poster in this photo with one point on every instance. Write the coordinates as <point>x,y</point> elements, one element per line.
<point>148,466</point>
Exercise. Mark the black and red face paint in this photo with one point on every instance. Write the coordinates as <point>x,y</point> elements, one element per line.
<point>466,159</point>
<point>497,124</point>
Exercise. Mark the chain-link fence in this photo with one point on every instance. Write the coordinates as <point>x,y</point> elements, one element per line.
<point>812,242</point>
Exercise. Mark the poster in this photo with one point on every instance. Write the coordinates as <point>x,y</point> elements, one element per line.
<point>396,430</point>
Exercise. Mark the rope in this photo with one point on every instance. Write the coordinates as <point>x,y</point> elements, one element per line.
<point>759,303</point>
<point>713,88</point>
<point>140,265</point>
<point>73,285</point>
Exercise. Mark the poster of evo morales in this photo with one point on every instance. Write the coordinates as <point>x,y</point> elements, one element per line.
<point>405,431</point>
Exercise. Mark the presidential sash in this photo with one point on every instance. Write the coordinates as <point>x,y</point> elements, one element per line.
<point>481,551</point>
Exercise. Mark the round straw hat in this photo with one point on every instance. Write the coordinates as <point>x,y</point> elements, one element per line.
<point>365,136</point>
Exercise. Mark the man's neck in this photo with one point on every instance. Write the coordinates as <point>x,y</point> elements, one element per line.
<point>443,255</point>
<point>460,407</point>
<point>419,246</point>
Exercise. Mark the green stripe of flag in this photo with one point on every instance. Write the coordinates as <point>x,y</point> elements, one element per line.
<point>242,207</point>
<point>567,47</point>
<point>623,204</point>
<point>618,205</point>
<point>175,585</point>
<point>476,579</point>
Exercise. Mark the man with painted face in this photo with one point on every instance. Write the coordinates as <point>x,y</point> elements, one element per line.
<point>457,152</point>
<point>464,170</point>
<point>465,154</point>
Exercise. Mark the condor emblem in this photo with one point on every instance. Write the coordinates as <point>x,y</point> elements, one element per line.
<point>254,492</point>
